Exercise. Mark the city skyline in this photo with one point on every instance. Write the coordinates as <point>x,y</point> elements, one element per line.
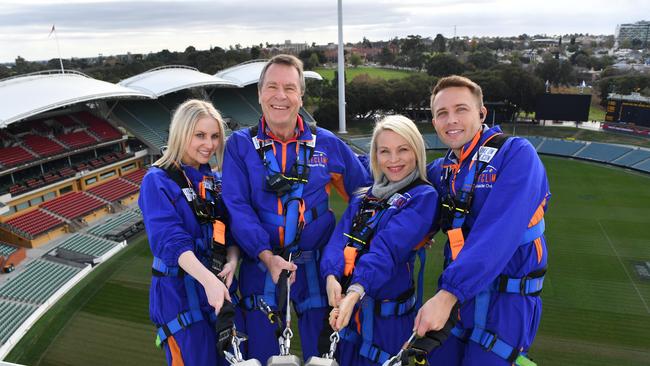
<point>86,28</point>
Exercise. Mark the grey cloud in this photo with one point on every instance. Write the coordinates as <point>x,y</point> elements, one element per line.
<point>144,15</point>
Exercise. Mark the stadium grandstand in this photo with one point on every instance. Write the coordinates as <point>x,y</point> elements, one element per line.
<point>73,152</point>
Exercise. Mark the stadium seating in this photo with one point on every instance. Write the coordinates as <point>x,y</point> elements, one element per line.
<point>37,282</point>
<point>73,205</point>
<point>87,244</point>
<point>6,250</point>
<point>633,157</point>
<point>12,315</point>
<point>602,152</point>
<point>66,121</point>
<point>76,140</point>
<point>130,217</point>
<point>362,143</point>
<point>114,190</point>
<point>42,145</point>
<point>560,147</point>
<point>33,223</point>
<point>146,125</point>
<point>135,176</point>
<point>14,155</point>
<point>432,141</point>
<point>100,128</point>
<point>534,140</point>
<point>644,165</point>
<point>232,104</point>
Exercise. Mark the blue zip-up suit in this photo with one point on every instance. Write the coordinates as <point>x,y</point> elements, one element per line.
<point>249,200</point>
<point>385,271</point>
<point>510,196</point>
<point>173,229</point>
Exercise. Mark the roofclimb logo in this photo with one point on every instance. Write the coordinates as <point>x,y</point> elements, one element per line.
<point>319,159</point>
<point>487,177</point>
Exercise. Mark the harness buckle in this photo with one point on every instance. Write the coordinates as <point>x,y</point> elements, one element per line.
<point>181,321</point>
<point>522,284</point>
<point>494,340</point>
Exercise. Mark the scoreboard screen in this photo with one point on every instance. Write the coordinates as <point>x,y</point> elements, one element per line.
<point>628,112</point>
<point>563,107</point>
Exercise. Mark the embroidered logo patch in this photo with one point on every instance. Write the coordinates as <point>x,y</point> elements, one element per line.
<point>318,159</point>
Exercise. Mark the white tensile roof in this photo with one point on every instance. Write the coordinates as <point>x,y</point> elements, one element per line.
<point>28,95</point>
<point>249,73</point>
<point>168,79</point>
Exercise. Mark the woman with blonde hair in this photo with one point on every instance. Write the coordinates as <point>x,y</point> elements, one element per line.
<point>368,262</point>
<point>184,216</point>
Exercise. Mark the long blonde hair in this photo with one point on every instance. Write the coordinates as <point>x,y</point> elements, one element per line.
<point>407,129</point>
<point>182,127</point>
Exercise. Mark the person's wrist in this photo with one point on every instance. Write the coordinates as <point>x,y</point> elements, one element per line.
<point>356,288</point>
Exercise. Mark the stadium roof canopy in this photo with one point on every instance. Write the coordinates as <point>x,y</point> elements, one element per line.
<point>168,79</point>
<point>249,73</point>
<point>25,96</point>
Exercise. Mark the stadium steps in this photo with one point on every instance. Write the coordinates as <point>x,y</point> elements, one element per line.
<point>38,281</point>
<point>12,315</point>
<point>87,245</point>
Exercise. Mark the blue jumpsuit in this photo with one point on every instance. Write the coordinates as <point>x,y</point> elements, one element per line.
<point>385,271</point>
<point>509,200</point>
<point>173,229</point>
<point>249,201</point>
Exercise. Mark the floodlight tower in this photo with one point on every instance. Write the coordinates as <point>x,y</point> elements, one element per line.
<point>341,72</point>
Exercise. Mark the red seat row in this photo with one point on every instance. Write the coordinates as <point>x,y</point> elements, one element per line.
<point>73,205</point>
<point>135,176</point>
<point>42,145</point>
<point>34,222</point>
<point>14,155</point>
<point>114,190</point>
<point>77,139</point>
<point>98,126</point>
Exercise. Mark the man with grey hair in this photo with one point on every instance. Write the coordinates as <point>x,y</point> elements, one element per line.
<point>277,178</point>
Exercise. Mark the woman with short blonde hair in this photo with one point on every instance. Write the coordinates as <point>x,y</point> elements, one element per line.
<point>372,250</point>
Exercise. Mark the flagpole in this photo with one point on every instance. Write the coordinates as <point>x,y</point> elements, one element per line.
<point>58,48</point>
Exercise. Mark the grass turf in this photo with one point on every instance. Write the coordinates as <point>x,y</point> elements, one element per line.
<point>595,307</point>
<point>352,72</point>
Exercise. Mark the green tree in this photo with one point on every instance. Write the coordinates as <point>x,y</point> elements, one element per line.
<point>439,43</point>
<point>355,60</point>
<point>386,57</point>
<point>444,65</point>
<point>482,59</point>
<point>412,47</point>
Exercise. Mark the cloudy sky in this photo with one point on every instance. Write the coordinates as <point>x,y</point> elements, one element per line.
<point>90,27</point>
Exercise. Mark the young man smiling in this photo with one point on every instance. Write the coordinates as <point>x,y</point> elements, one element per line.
<point>493,193</point>
<point>277,178</point>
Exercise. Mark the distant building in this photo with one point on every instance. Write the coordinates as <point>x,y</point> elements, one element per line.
<point>637,33</point>
<point>293,48</point>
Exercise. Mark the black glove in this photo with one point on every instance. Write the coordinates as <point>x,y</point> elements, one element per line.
<point>225,326</point>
